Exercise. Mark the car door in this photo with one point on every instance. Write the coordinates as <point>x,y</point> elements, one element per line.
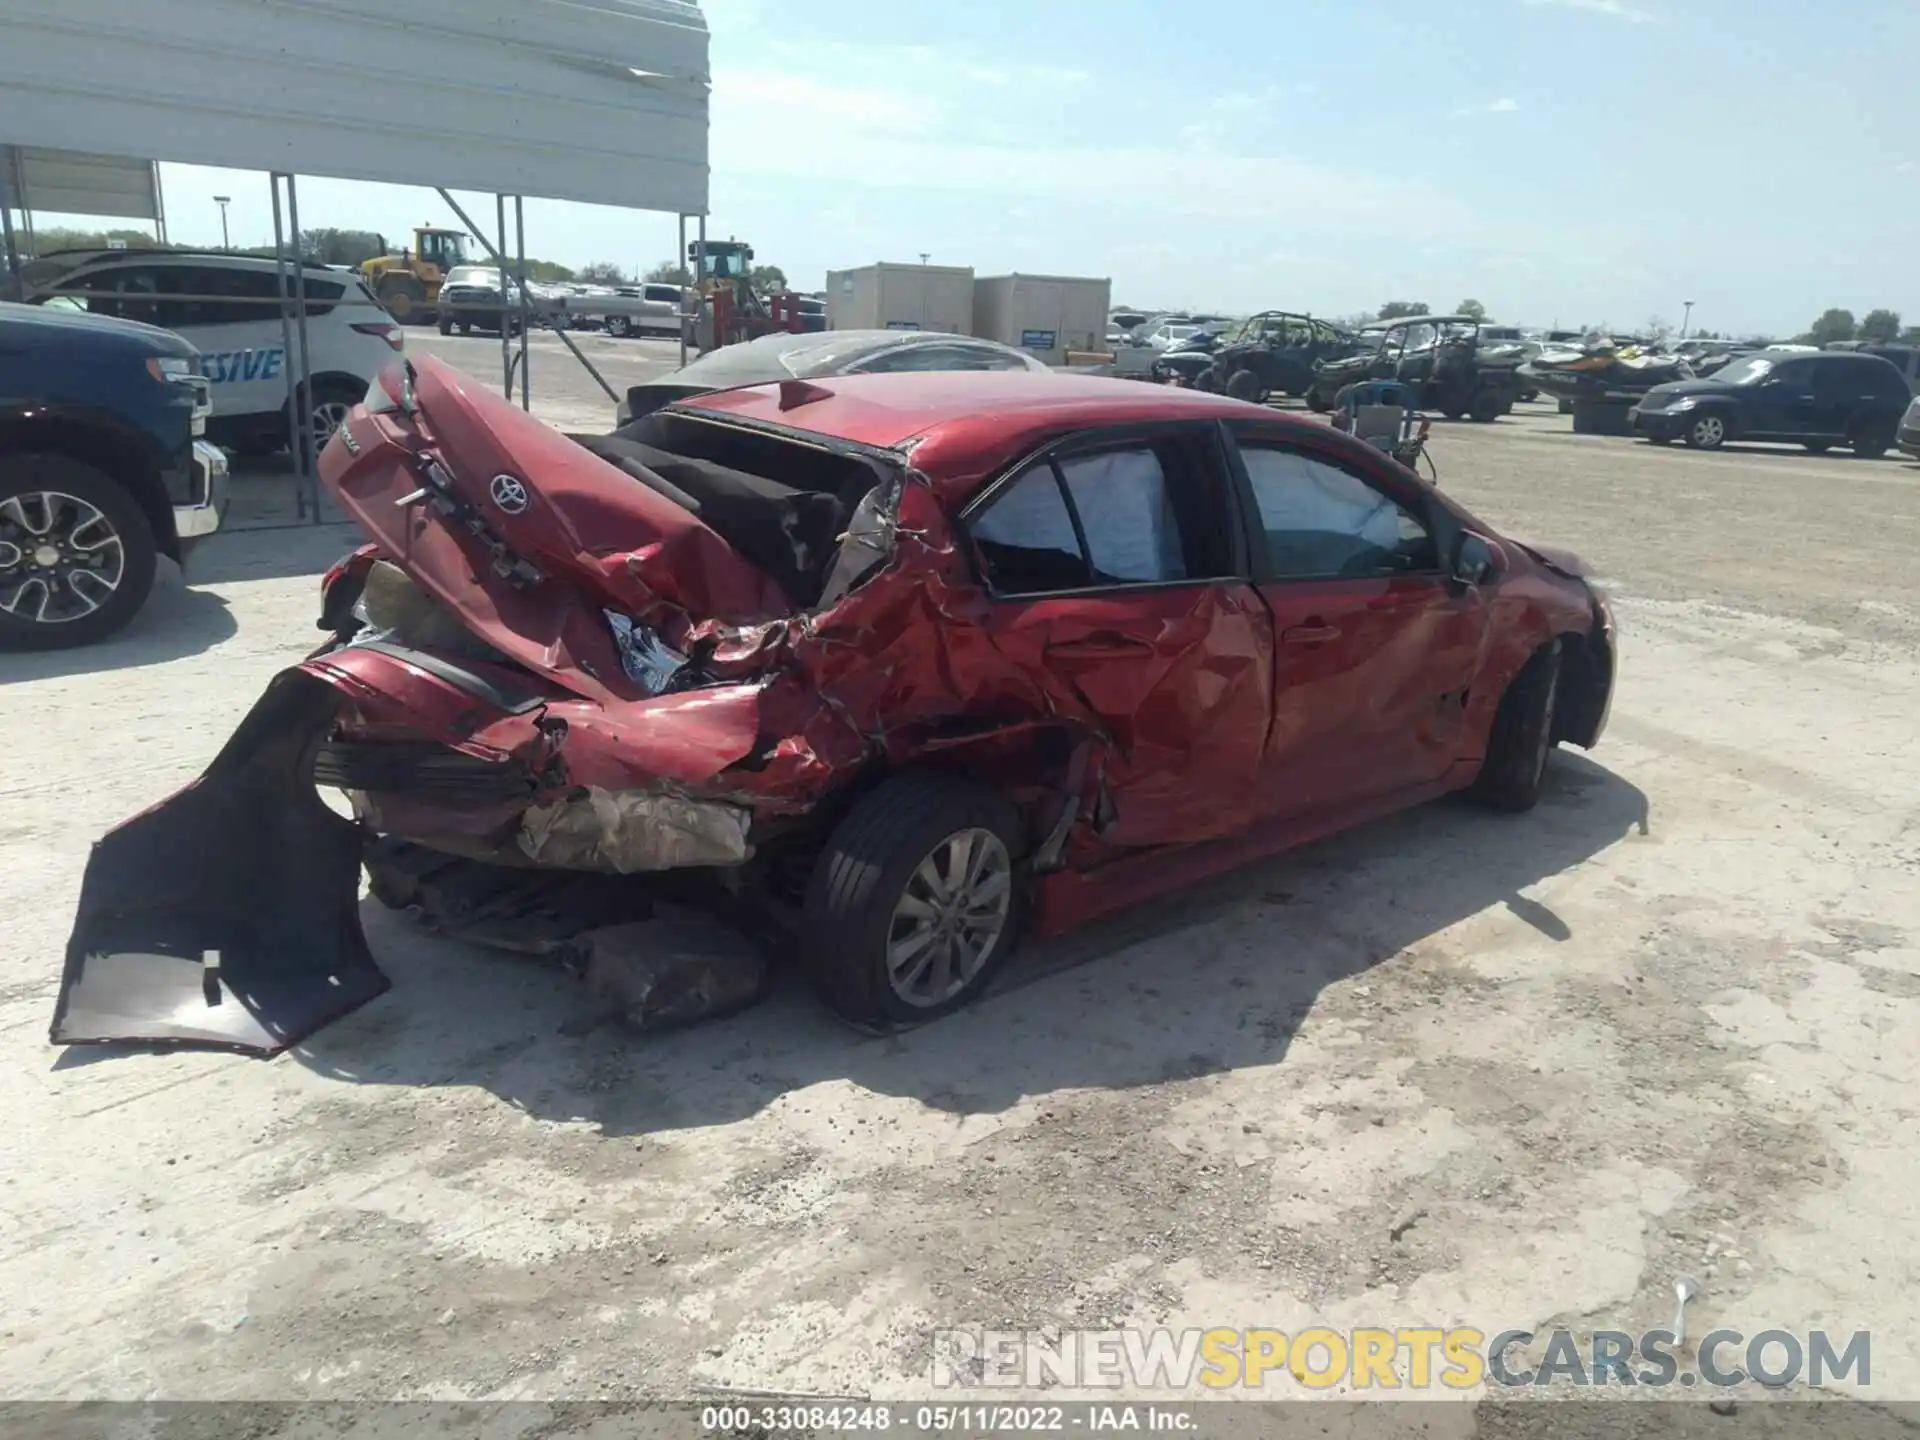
<point>1117,578</point>
<point>233,315</point>
<point>1376,647</point>
<point>1785,402</point>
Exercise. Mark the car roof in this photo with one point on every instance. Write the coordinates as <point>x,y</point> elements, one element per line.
<point>965,423</point>
<point>813,353</point>
<point>64,260</point>
<point>1422,320</point>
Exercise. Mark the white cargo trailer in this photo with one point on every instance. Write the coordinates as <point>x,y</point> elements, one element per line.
<point>901,297</point>
<point>1047,315</point>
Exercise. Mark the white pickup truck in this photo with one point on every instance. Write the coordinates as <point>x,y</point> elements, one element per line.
<point>628,309</point>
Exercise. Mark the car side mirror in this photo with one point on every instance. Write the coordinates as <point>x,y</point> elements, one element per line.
<point>1477,560</point>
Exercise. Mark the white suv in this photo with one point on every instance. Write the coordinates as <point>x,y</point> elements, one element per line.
<point>228,306</point>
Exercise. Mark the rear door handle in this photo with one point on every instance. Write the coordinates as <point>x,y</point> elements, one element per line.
<point>1105,642</point>
<point>1310,634</point>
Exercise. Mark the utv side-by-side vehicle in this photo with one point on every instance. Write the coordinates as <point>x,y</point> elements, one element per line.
<point>1441,356</point>
<point>1272,353</point>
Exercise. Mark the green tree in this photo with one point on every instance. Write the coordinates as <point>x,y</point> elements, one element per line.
<point>1472,309</point>
<point>603,272</point>
<point>667,272</point>
<point>1910,335</point>
<point>339,247</point>
<point>1395,309</point>
<point>767,279</point>
<point>1832,325</point>
<point>48,239</point>
<point>548,270</point>
<point>1880,326</point>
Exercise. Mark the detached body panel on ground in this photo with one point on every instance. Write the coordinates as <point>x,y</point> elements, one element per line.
<point>894,661</point>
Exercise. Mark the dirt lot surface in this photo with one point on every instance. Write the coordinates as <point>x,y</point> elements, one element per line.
<point>1450,1069</point>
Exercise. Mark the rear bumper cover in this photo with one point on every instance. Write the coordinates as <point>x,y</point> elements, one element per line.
<point>227,916</point>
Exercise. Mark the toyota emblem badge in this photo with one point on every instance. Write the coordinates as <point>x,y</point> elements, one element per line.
<point>509,494</point>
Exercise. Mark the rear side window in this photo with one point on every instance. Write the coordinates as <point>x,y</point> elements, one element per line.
<point>1141,514</point>
<point>668,293</point>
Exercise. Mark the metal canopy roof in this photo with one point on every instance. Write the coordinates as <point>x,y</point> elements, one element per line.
<point>68,182</point>
<point>602,101</point>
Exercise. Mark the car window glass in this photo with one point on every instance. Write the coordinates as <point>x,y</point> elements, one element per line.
<point>1125,508</point>
<point>1026,538</point>
<point>231,295</point>
<point>1324,521</point>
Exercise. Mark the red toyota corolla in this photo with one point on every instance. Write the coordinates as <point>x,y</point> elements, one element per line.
<point>895,665</point>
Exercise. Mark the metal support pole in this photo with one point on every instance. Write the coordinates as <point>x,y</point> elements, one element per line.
<point>699,275</point>
<point>159,206</point>
<point>526,314</point>
<point>13,254</point>
<point>506,325</point>
<point>680,258</point>
<point>17,179</point>
<point>286,347</point>
<point>308,470</point>
<point>565,339</point>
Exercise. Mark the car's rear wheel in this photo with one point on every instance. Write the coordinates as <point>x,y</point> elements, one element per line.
<point>1244,385</point>
<point>619,326</point>
<point>1705,432</point>
<point>1870,442</point>
<point>77,554</point>
<point>1522,737</point>
<point>914,903</point>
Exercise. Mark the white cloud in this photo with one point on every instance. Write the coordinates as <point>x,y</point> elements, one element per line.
<point>1505,105</point>
<point>1612,9</point>
<point>1903,167</point>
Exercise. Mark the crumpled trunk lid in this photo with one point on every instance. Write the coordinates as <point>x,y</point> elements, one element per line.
<point>530,538</point>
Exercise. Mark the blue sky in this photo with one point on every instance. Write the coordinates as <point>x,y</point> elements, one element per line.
<point>1579,161</point>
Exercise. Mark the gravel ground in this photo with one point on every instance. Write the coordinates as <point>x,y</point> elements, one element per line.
<point>1451,1068</point>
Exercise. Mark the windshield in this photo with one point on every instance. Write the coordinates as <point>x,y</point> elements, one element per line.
<point>1744,371</point>
<point>474,275</point>
<point>1182,332</point>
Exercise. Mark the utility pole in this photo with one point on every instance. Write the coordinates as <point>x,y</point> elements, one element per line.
<point>221,201</point>
<point>923,257</point>
<point>1685,318</point>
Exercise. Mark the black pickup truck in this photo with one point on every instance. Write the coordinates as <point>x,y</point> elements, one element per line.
<point>102,470</point>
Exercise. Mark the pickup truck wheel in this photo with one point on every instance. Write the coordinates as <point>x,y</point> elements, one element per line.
<point>619,326</point>
<point>76,553</point>
<point>914,903</point>
<point>1522,737</point>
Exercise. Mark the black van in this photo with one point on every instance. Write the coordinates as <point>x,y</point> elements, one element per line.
<point>1837,397</point>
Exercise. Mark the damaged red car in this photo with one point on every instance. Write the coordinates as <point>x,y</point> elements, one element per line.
<point>887,669</point>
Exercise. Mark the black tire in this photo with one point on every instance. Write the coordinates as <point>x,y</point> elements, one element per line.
<point>1453,412</point>
<point>1516,762</point>
<point>329,393</point>
<point>1872,442</point>
<point>1244,385</point>
<point>405,298</point>
<point>32,472</point>
<point>1318,403</point>
<point>1705,432</point>
<point>1818,447</point>
<point>619,326</point>
<point>1209,380</point>
<point>1527,397</point>
<point>1487,408</point>
<point>1659,439</point>
<point>863,873</point>
<point>446,324</point>
<point>466,327</point>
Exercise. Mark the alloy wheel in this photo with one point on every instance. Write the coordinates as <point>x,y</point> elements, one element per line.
<point>328,416</point>
<point>60,557</point>
<point>949,918</point>
<point>1709,431</point>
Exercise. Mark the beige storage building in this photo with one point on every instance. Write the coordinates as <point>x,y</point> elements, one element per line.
<point>901,297</point>
<point>1046,315</point>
